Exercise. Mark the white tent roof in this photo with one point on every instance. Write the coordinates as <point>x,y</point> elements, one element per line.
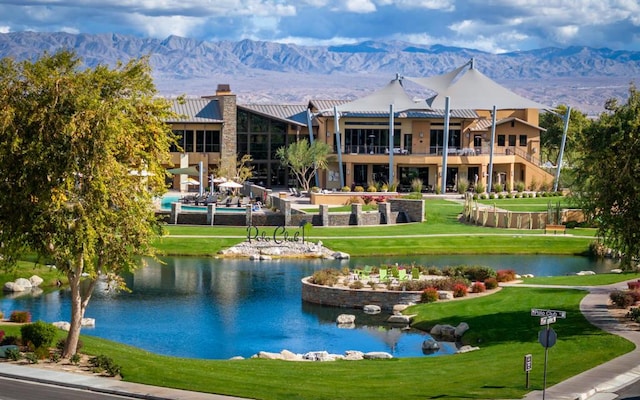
<point>438,83</point>
<point>474,90</point>
<point>379,101</point>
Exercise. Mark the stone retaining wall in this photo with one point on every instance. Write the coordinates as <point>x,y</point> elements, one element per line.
<point>355,298</point>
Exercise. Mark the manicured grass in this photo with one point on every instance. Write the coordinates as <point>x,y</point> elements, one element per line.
<point>534,204</point>
<point>442,233</point>
<point>501,326</point>
<point>584,280</point>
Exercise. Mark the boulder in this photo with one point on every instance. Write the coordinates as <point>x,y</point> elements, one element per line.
<point>466,349</point>
<point>399,308</point>
<point>25,283</point>
<point>269,356</point>
<point>318,356</point>
<point>289,355</point>
<point>400,319</point>
<point>445,295</point>
<point>616,271</point>
<point>372,309</point>
<point>353,355</point>
<point>430,345</point>
<point>88,322</point>
<point>338,255</point>
<point>582,273</point>
<point>236,358</point>
<point>36,281</point>
<point>446,332</point>
<point>65,326</point>
<point>377,355</point>
<point>346,319</point>
<point>461,329</point>
<point>3,349</point>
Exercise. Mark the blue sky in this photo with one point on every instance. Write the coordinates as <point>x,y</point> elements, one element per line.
<point>494,26</point>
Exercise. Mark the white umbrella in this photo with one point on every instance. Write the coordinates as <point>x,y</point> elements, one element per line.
<point>190,181</point>
<point>230,185</point>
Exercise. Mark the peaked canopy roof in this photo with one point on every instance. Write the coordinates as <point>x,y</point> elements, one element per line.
<point>473,90</point>
<point>379,101</point>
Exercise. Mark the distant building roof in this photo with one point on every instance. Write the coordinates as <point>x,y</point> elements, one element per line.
<point>194,110</point>
<point>484,124</point>
<point>292,113</point>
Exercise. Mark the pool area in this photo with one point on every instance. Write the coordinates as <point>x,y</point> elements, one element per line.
<point>165,205</point>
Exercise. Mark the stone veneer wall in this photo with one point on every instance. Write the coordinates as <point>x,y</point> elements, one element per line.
<point>355,298</point>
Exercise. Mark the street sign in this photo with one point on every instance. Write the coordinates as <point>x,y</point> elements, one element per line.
<point>547,337</point>
<point>537,312</point>
<point>547,320</point>
<point>528,363</point>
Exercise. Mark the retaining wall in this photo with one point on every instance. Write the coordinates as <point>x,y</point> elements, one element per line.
<point>355,298</point>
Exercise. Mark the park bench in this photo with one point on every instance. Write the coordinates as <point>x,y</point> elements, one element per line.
<point>555,228</point>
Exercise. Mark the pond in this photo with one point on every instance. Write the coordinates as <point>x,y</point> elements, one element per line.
<point>217,309</point>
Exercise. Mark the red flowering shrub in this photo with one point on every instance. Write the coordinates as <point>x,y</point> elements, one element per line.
<point>460,290</point>
<point>367,199</point>
<point>633,285</point>
<point>429,295</point>
<point>478,287</point>
<point>1,336</point>
<point>506,275</point>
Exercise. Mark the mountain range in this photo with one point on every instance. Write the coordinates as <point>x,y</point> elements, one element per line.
<point>268,72</point>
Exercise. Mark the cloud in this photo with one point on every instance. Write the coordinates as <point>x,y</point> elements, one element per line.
<point>489,25</point>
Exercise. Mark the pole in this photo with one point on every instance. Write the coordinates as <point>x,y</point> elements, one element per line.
<point>310,128</point>
<point>336,129</point>
<point>564,141</point>
<point>491,145</point>
<point>546,353</point>
<point>391,143</point>
<point>445,146</point>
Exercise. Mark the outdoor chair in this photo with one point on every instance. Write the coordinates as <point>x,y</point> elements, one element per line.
<point>383,275</point>
<point>402,275</point>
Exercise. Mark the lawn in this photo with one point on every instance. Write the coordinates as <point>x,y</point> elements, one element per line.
<point>534,204</point>
<point>500,325</point>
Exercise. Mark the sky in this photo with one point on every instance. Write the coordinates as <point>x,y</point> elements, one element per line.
<point>494,26</point>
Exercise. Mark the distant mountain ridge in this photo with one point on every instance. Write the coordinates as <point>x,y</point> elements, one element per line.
<point>177,59</point>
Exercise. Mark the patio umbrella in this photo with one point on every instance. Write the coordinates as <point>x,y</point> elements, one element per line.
<point>190,181</point>
<point>230,185</point>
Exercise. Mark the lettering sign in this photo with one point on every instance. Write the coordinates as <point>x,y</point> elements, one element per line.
<point>528,362</point>
<point>536,312</point>
<point>280,235</point>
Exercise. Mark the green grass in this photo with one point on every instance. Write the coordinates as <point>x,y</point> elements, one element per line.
<point>501,326</point>
<point>585,280</point>
<point>534,204</point>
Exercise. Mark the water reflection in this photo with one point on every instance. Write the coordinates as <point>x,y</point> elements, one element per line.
<point>208,308</point>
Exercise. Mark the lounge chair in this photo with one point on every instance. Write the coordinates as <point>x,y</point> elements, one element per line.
<point>384,275</point>
<point>402,275</point>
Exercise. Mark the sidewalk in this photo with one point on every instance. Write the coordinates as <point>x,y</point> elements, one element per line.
<point>103,385</point>
<point>601,382</point>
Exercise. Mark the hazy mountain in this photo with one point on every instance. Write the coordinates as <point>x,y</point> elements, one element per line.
<point>273,72</point>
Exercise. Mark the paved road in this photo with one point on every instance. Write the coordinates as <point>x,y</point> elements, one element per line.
<point>14,389</point>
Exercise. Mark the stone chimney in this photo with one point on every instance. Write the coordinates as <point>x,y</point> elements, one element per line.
<point>228,111</point>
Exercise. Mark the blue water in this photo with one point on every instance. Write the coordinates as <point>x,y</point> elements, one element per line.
<point>165,205</point>
<point>217,309</point>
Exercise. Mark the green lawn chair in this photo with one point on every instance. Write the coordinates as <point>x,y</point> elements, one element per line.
<point>402,275</point>
<point>384,275</point>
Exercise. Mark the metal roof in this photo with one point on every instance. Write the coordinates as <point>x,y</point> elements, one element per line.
<point>292,113</point>
<point>196,110</point>
<point>484,124</point>
<point>317,105</point>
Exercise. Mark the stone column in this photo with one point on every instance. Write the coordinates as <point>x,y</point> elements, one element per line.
<point>211,211</point>
<point>286,210</point>
<point>248,215</point>
<point>385,210</point>
<point>356,209</point>
<point>175,211</point>
<point>324,214</point>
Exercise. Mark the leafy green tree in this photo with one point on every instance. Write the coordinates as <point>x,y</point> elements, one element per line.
<point>73,145</point>
<point>551,139</point>
<point>305,160</point>
<point>242,170</point>
<point>608,172</point>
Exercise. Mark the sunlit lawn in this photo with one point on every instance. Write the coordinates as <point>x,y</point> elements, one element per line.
<point>535,204</point>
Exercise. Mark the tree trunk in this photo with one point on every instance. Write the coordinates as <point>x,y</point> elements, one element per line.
<point>79,301</point>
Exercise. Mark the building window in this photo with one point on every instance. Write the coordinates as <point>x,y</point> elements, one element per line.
<point>501,140</point>
<point>512,140</point>
<point>523,140</point>
<point>179,144</point>
<point>188,141</point>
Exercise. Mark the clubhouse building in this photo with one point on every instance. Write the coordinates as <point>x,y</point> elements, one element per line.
<point>472,128</point>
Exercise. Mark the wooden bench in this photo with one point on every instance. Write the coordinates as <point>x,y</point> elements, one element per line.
<point>555,229</point>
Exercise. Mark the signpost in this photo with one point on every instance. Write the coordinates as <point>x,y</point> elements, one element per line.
<point>528,366</point>
<point>547,337</point>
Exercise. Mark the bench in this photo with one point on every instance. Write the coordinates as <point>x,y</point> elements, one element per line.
<point>555,229</point>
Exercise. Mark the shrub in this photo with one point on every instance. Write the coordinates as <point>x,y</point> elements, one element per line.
<point>634,314</point>
<point>42,353</point>
<point>346,189</point>
<point>353,200</point>
<point>75,359</point>
<point>103,363</point>
<point>358,189</point>
<point>1,336</point>
<point>1,315</point>
<point>326,277</point>
<point>39,334</point>
<point>621,299</point>
<point>60,344</point>
<point>633,285</point>
<point>9,340</point>
<point>429,295</point>
<point>519,186</point>
<point>356,285</point>
<point>463,185</point>
<point>13,354</point>
<point>479,188</point>
<point>367,199</point>
<point>372,188</point>
<point>492,195</point>
<point>498,187</point>
<point>315,189</point>
<point>500,196</point>
<point>505,275</point>
<point>20,317</point>
<point>478,287</point>
<point>55,357</point>
<point>32,358</point>
<point>460,290</point>
<point>490,283</point>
